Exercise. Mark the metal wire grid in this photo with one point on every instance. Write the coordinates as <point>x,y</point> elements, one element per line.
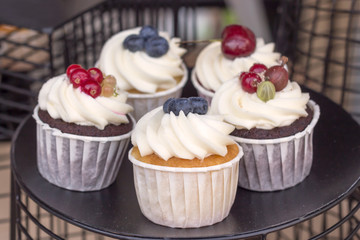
<point>29,57</point>
<point>322,38</point>
<point>340,222</point>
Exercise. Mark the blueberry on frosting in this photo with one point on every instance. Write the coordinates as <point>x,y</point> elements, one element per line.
<point>196,105</point>
<point>147,40</point>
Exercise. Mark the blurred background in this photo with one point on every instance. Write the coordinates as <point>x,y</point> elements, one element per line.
<point>320,37</point>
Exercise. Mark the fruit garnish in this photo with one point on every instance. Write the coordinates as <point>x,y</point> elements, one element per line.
<point>266,91</point>
<point>156,46</point>
<point>196,105</point>
<point>91,88</point>
<point>109,80</point>
<point>134,43</point>
<point>278,75</point>
<point>78,77</point>
<point>147,32</point>
<point>107,90</point>
<point>96,74</point>
<point>147,40</point>
<point>249,81</point>
<point>237,41</point>
<point>258,68</point>
<point>71,68</point>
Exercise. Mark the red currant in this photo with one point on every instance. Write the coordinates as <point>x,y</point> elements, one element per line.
<point>278,75</point>
<point>71,68</point>
<point>91,88</point>
<point>237,41</point>
<point>78,77</point>
<point>249,81</point>
<point>258,68</point>
<point>96,74</point>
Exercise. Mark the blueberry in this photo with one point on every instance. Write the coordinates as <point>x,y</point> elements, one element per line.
<point>168,105</point>
<point>182,104</point>
<point>199,105</point>
<point>147,32</point>
<point>134,43</point>
<point>156,46</point>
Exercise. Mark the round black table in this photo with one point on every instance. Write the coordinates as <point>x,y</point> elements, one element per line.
<point>114,211</point>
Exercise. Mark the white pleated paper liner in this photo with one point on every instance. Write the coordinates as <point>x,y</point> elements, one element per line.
<point>80,163</point>
<point>201,91</point>
<point>186,197</point>
<point>277,164</point>
<point>145,102</point>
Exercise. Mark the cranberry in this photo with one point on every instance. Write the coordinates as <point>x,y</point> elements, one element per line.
<point>278,75</point>
<point>91,88</point>
<point>237,41</point>
<point>71,68</point>
<point>258,68</point>
<point>96,74</point>
<point>249,81</point>
<point>78,77</point>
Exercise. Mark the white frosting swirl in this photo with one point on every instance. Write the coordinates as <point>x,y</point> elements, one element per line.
<point>62,101</point>
<point>187,137</point>
<point>245,110</point>
<point>212,68</point>
<point>137,70</point>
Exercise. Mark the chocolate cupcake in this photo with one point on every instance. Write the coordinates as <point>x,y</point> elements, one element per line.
<point>83,129</point>
<point>274,124</point>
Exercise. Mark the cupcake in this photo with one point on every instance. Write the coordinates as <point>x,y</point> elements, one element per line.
<point>147,64</point>
<point>223,60</point>
<point>274,123</point>
<point>185,164</point>
<point>83,129</point>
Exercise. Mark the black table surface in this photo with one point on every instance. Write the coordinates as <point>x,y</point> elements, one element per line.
<point>115,212</point>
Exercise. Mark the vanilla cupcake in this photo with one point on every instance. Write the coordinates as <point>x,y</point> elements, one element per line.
<point>147,64</point>
<point>274,126</point>
<point>213,67</point>
<point>185,164</point>
<point>82,130</point>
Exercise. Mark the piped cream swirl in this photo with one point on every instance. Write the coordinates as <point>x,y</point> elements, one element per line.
<point>137,70</point>
<point>246,111</point>
<point>187,137</point>
<point>212,68</point>
<point>62,101</point>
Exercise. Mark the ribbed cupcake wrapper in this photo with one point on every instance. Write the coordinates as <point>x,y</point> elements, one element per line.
<point>186,197</point>
<point>79,163</point>
<point>143,103</point>
<point>270,165</point>
<point>201,91</point>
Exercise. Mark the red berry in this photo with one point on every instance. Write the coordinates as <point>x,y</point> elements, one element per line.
<point>78,77</point>
<point>71,68</point>
<point>258,68</point>
<point>96,74</point>
<point>91,88</point>
<point>278,75</point>
<point>249,81</point>
<point>237,41</point>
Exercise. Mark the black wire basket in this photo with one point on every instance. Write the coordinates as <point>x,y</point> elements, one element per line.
<point>322,40</point>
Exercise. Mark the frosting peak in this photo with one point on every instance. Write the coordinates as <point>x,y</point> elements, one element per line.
<point>137,70</point>
<point>186,137</point>
<point>62,101</point>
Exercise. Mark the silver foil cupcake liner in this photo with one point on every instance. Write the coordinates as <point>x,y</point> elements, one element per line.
<point>201,91</point>
<point>80,163</point>
<point>186,197</point>
<point>277,164</point>
<point>145,102</point>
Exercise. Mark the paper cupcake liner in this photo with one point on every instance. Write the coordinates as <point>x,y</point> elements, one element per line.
<point>201,91</point>
<point>186,197</point>
<point>277,164</point>
<point>80,163</point>
<point>143,103</point>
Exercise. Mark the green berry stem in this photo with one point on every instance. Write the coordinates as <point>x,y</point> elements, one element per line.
<point>199,41</point>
